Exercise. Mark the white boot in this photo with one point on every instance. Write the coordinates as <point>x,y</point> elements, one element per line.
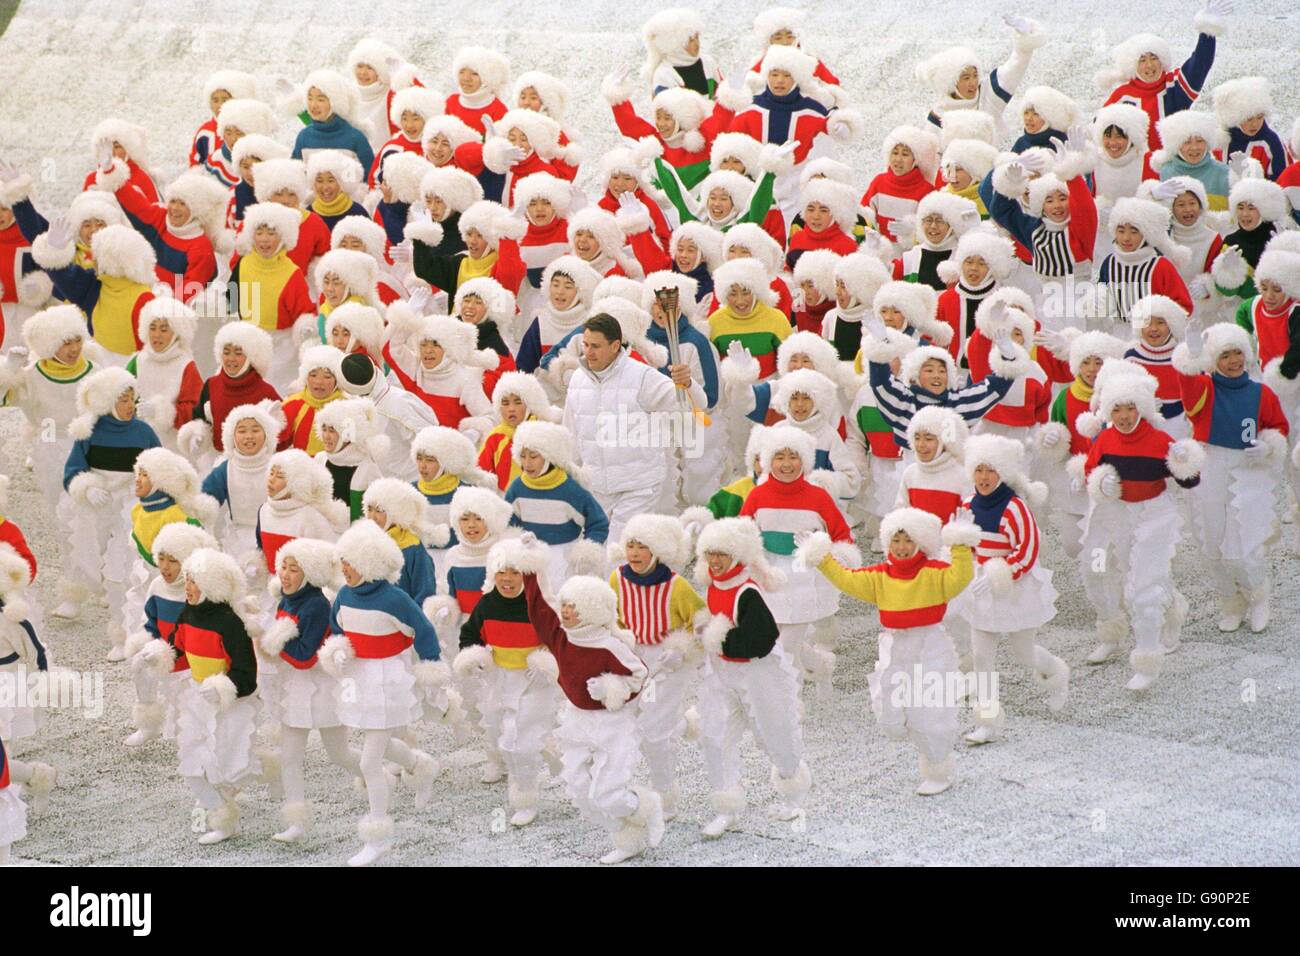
<point>936,777</point>
<point>425,773</point>
<point>524,802</point>
<point>629,841</point>
<point>223,823</point>
<point>989,721</point>
<point>37,789</point>
<point>1171,628</point>
<point>71,597</point>
<point>1052,676</point>
<point>376,839</point>
<point>643,829</point>
<point>148,721</point>
<point>1109,634</point>
<point>1146,668</point>
<point>1232,611</point>
<point>1257,608</point>
<point>494,770</point>
<point>791,793</point>
<point>297,817</point>
<point>117,637</point>
<point>728,805</point>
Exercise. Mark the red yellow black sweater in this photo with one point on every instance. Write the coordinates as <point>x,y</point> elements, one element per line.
<point>214,641</point>
<point>501,623</point>
<point>1138,458</point>
<point>736,596</point>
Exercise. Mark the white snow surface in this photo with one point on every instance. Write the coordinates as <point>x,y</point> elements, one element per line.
<point>1202,769</point>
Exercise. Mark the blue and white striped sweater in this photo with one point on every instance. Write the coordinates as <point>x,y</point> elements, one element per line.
<point>898,402</point>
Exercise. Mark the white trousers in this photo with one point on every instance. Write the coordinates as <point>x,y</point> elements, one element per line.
<point>760,694</point>
<point>660,710</point>
<point>598,750</point>
<point>912,663</point>
<point>518,709</point>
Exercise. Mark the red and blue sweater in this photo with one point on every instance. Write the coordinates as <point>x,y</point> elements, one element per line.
<point>309,610</point>
<point>1139,458</point>
<point>1230,412</point>
<point>381,620</point>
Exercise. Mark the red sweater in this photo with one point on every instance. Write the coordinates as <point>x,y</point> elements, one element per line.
<point>892,197</point>
<point>832,237</point>
<point>1138,457</point>
<point>634,127</point>
<point>473,116</point>
<point>222,394</point>
<point>194,253</point>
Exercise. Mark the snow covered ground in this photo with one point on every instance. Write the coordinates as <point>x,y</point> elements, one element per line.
<point>1202,769</point>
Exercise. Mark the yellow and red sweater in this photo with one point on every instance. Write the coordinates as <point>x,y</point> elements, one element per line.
<point>910,593</point>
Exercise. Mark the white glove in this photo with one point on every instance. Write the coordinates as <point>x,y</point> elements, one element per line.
<point>627,201</point>
<point>402,253</point>
<point>489,128</point>
<point>528,539</point>
<point>904,227</point>
<point>17,356</point>
<point>1255,453</point>
<point>420,213</point>
<point>577,200</point>
<point>736,352</point>
<point>9,172</point>
<point>876,328</point>
<point>980,587</point>
<point>1110,486</point>
<point>104,155</point>
<point>1167,189</point>
<point>787,148</point>
<point>1051,438</point>
<point>98,497</point>
<point>1218,8</point>
<point>513,155</point>
<point>1019,24</point>
<point>1076,139</point>
<point>736,78</point>
<point>441,615</point>
<point>1232,257</point>
<point>1026,164</point>
<point>1199,287</point>
<point>1195,341</point>
<point>1239,165</point>
<point>420,301</point>
<point>59,234</point>
<point>1054,342</point>
<point>1006,344</point>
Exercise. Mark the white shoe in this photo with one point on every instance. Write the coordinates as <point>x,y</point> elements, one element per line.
<point>297,814</point>
<point>521,818</point>
<point>983,734</point>
<point>779,810</point>
<point>223,824</point>
<point>68,611</point>
<point>369,853</point>
<point>718,826</point>
<point>1258,613</point>
<point>928,788</point>
<point>294,834</point>
<point>523,801</point>
<point>1139,682</point>
<point>493,772</point>
<point>1101,653</point>
<point>1232,611</point>
<point>618,855</point>
<point>425,773</point>
<point>139,738</point>
<point>935,777</point>
<point>377,839</point>
<point>216,836</point>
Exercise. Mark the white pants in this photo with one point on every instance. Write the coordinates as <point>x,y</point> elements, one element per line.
<point>518,709</point>
<point>622,506</point>
<point>1234,514</point>
<point>598,750</point>
<point>761,694</point>
<point>660,709</point>
<point>104,547</point>
<point>910,663</point>
<point>284,360</point>
<point>701,475</point>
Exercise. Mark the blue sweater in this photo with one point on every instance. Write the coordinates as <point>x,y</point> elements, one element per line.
<point>686,332</point>
<point>334,133</point>
<point>899,402</point>
<point>552,519</point>
<point>388,598</point>
<point>418,579</point>
<point>1211,173</point>
<point>113,445</point>
<point>1267,141</point>
<point>309,609</point>
<point>160,610</point>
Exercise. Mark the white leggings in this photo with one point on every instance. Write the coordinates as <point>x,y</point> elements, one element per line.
<point>293,746</point>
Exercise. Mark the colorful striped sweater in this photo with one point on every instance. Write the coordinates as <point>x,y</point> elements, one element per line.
<point>910,593</point>
<point>761,333</point>
<point>381,620</point>
<point>1138,458</point>
<point>1007,526</point>
<point>653,604</point>
<point>556,508</point>
<point>782,509</point>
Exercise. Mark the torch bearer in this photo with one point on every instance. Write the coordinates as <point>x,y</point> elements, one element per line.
<point>669,300</point>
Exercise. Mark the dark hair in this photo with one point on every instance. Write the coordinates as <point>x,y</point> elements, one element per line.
<point>1113,130</point>
<point>606,325</point>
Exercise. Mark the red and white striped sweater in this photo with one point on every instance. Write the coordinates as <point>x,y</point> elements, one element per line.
<point>1015,540</point>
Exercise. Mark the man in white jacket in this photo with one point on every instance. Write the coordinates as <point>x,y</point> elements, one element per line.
<point>626,418</point>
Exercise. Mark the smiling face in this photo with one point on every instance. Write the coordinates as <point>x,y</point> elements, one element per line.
<point>1271,294</point>
<point>412,125</point>
<point>687,256</point>
<point>318,105</point>
<point>1128,238</point>
<point>974,271</point>
<point>800,360</point>
<point>471,528</point>
<point>740,299</point>
<point>169,569</point>
<point>1149,68</point>
<point>250,438</point>
<point>475,244</point>
<point>1193,149</point>
<point>178,213</point>
<point>639,557</point>
<point>517,138</point>
<point>438,150</point>
<point>901,159</point>
<point>620,183</point>
<point>217,100</point>
<point>935,229</point>
<point>786,465</point>
<point>780,82</point>
<point>88,229</point>
<point>933,376</point>
<point>901,546</point>
<point>540,211</point>
<point>599,352</point>
<point>69,352</point>
<point>290,574</point>
<point>586,245</point>
<point>926,446</point>
<point>233,360</point>
<point>513,410</point>
<point>1034,122</point>
<point>192,593</point>
<point>143,484</point>
<point>266,242</point>
<point>563,292</point>
<point>892,317</point>
<point>529,100</point>
<point>327,187</point>
<point>1248,216</point>
<point>365,74</point>
<point>334,289</point>
<point>160,335</point>
<point>719,204</point>
<point>1231,363</point>
<point>508,582</point>
<point>1056,206</point>
<point>719,562</point>
<point>321,383</point>
<point>1088,370</point>
<point>1187,209</point>
<point>665,124</point>
<point>986,479</point>
<point>1114,142</point>
<point>1156,331</point>
<point>801,406</point>
<point>468,81</point>
<point>968,83</point>
<point>472,309</point>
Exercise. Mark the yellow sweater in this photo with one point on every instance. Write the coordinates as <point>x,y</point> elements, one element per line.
<point>909,593</point>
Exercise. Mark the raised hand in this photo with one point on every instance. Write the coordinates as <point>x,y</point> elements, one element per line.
<point>59,235</point>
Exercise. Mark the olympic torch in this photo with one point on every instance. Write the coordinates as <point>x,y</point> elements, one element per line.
<point>669,303</point>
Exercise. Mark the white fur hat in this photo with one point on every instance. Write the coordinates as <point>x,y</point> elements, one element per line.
<point>973,124</point>
<point>174,476</point>
<point>492,508</point>
<point>1124,59</point>
<point>266,413</point>
<point>821,352</point>
<point>740,538</point>
<point>1052,105</point>
<point>959,213</point>
<point>356,422</point>
<point>739,188</point>
<point>604,226</point>
<point>841,200</point>
<point>281,219</point>
<point>403,173</point>
<point>940,72</point>
<point>862,275</point>
<point>543,132</point>
<point>619,287</point>
<point>1041,188</point>
<point>707,240</point>
<point>370,552</point>
<point>358,270</point>
<point>95,204</point>
<point>1159,307</point>
<point>747,273</point>
<point>825,167</point>
<point>97,393</point>
<point>553,442</point>
<point>179,540</point>
<point>774,19</point>
<point>455,187</point>
<point>343,166</point>
<point>251,117</point>
<point>270,176</point>
<point>499,300</point>
<point>688,110</point>
<point>127,135</point>
<point>975,157</point>
<point>923,144</point>
<point>1152,220</point>
<point>944,424</point>
<point>754,240</point>
<point>630,160</point>
<point>1019,314</point>
<point>237,83</point>
<point>179,317</point>
<point>414,99</point>
<point>794,61</point>
<point>492,68</point>
<point>485,217</point>
<point>1131,120</point>
<point>922,527</point>
<point>553,92</point>
<point>1226,337</point>
<point>584,276</point>
<point>818,267</point>
<point>1281,266</point>
<point>997,252</point>
<point>1118,385</point>
<point>259,148</point>
<point>686,288</point>
<point>318,356</point>
<point>739,146</point>
<point>306,479</point>
<point>529,391</point>
<point>377,55</point>
<point>1186,184</point>
<point>370,234</point>
<point>1099,344</point>
<point>1239,99</point>
<point>662,534</point>
<point>47,330</point>
<point>1264,195</point>
<point>121,251</point>
<point>910,367</point>
<point>451,128</point>
<point>405,506</point>
<point>781,436</point>
<point>217,576</point>
<point>365,326</point>
<point>340,92</point>
<point>814,384</point>
<point>593,599</point>
<point>319,561</point>
<point>1006,456</point>
<point>511,554</point>
<point>1178,128</point>
<point>543,186</point>
<point>667,32</point>
<point>918,303</point>
<point>453,451</point>
<point>255,343</point>
<point>206,198</point>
